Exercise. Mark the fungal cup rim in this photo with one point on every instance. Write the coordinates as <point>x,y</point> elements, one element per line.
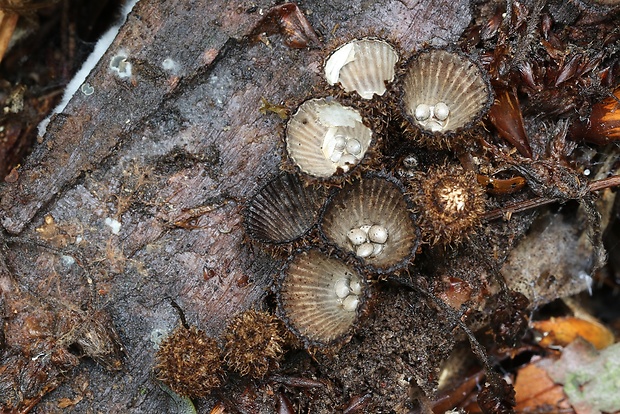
<point>359,312</point>
<point>279,175</point>
<point>480,114</point>
<point>340,175</point>
<point>369,267</point>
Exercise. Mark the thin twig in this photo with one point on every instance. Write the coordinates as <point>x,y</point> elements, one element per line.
<point>520,206</point>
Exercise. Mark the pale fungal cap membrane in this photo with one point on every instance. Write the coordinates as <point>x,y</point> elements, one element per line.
<point>454,198</point>
<point>368,240</point>
<point>348,290</point>
<point>362,66</point>
<point>339,59</point>
<point>410,161</point>
<point>336,115</point>
<point>433,117</point>
<point>340,149</point>
<point>324,136</point>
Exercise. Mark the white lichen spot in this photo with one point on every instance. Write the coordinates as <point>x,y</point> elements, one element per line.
<point>157,336</point>
<point>67,260</point>
<point>100,48</point>
<point>121,65</point>
<point>87,89</point>
<point>114,224</point>
<point>170,65</point>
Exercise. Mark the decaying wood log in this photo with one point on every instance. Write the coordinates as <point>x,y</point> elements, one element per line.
<point>133,197</point>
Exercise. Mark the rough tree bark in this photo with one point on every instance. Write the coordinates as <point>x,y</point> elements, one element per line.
<point>169,156</point>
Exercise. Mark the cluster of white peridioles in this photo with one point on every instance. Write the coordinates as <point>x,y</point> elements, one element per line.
<point>351,224</point>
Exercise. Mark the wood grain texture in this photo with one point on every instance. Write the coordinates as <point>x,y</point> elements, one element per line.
<point>172,157</point>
